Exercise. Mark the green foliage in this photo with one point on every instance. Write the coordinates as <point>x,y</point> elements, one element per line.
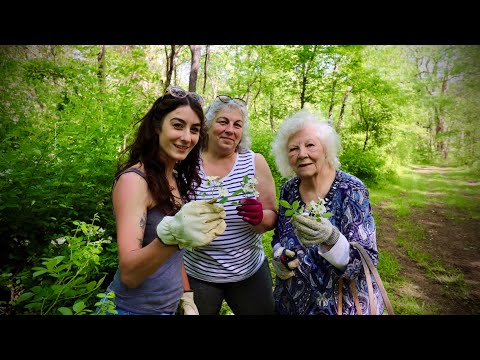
<point>62,125</point>
<point>366,165</point>
<point>261,143</point>
<point>105,304</point>
<point>66,279</point>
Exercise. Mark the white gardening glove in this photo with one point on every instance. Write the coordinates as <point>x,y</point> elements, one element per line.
<point>187,305</point>
<point>197,223</point>
<point>312,232</point>
<point>284,262</point>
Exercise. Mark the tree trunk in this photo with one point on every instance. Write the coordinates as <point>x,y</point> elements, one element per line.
<point>363,117</point>
<point>207,59</point>
<point>440,128</point>
<point>334,86</point>
<point>306,69</point>
<point>195,64</point>
<point>342,109</point>
<point>272,123</point>
<point>101,68</point>
<point>171,57</point>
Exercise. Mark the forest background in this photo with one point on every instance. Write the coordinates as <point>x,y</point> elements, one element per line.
<point>66,112</point>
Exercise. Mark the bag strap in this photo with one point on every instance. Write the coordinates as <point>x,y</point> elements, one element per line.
<point>372,301</point>
<point>353,287</point>
<point>369,265</point>
<point>356,300</point>
<point>340,296</point>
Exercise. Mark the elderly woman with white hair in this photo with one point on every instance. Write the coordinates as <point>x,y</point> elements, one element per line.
<point>312,256</point>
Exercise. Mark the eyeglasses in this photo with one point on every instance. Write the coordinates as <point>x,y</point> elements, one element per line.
<point>179,93</point>
<point>227,99</point>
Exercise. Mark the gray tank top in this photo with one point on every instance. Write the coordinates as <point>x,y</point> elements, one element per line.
<point>161,291</point>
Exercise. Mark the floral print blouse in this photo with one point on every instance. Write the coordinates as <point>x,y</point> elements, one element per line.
<point>314,288</point>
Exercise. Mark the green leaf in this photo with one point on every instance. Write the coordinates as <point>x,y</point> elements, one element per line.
<point>327,215</point>
<point>38,273</point>
<point>65,311</point>
<point>285,204</point>
<point>223,200</point>
<point>295,205</point>
<point>91,285</point>
<point>57,289</point>
<point>289,212</point>
<point>101,280</point>
<point>24,297</point>
<point>236,192</point>
<point>79,306</point>
<point>38,268</point>
<point>34,306</point>
<point>36,289</point>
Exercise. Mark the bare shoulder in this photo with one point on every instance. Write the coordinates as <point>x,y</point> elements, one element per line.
<point>261,165</point>
<point>260,160</point>
<point>131,181</point>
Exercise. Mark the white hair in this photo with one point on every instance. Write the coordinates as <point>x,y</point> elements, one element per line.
<point>216,106</point>
<point>298,121</point>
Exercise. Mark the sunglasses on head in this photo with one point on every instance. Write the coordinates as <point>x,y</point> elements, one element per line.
<point>226,99</point>
<point>179,93</point>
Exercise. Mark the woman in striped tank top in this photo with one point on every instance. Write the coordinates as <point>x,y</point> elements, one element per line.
<point>233,267</point>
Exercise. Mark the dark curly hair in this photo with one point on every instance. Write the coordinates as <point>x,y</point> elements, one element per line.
<point>146,150</point>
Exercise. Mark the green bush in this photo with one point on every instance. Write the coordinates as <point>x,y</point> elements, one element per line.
<point>66,279</point>
<point>367,165</point>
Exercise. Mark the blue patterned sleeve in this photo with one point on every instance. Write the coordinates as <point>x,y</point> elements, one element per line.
<point>357,224</point>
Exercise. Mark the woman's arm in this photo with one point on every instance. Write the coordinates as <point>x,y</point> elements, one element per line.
<point>267,194</point>
<point>130,202</point>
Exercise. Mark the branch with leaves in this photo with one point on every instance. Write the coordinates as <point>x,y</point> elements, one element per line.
<point>247,188</point>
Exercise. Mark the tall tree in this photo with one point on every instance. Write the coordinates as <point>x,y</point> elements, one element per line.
<point>194,66</point>
<point>436,70</point>
<point>101,68</point>
<point>170,56</point>
<point>205,67</point>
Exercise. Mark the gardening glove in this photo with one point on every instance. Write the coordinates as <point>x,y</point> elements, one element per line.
<point>284,261</point>
<point>251,211</point>
<point>196,224</point>
<point>311,232</point>
<point>187,305</point>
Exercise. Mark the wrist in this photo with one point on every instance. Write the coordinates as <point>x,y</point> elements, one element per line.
<point>163,244</point>
<point>333,238</point>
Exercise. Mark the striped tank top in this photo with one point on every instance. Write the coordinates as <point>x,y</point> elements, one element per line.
<point>238,253</point>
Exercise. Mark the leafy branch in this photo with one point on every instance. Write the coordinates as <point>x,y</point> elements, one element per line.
<point>314,208</point>
<point>247,188</point>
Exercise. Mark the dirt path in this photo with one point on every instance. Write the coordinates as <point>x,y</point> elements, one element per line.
<point>454,243</point>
